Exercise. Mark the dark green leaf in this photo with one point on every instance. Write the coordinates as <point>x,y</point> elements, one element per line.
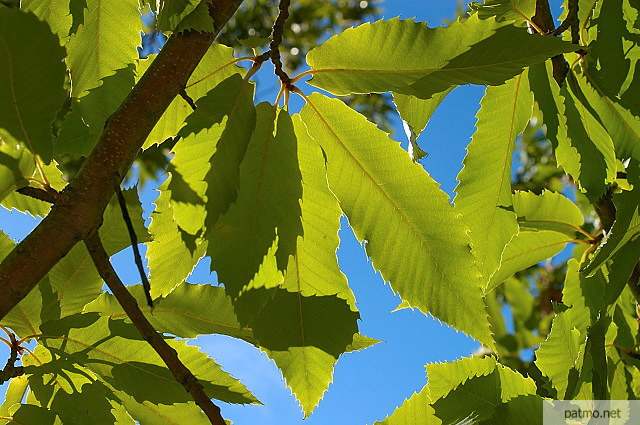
<point>32,75</point>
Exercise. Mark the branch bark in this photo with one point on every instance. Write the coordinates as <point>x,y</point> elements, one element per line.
<point>78,210</point>
<point>544,19</point>
<point>170,357</point>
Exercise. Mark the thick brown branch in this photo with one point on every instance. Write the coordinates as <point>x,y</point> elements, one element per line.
<point>170,357</point>
<point>78,209</point>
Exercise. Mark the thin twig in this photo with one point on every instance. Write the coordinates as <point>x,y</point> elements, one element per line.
<point>134,244</point>
<point>170,357</point>
<point>276,39</point>
<point>37,193</point>
<point>10,370</point>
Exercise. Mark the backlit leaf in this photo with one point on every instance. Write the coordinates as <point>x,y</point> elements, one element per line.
<point>548,211</point>
<point>170,260</point>
<point>172,11</point>
<point>620,123</point>
<point>558,357</point>
<point>105,42</point>
<point>32,74</point>
<point>411,232</point>
<point>117,353</point>
<point>16,164</point>
<point>409,58</point>
<point>216,65</point>
<point>484,192</point>
<point>527,248</point>
<point>268,204</point>
<point>516,10</point>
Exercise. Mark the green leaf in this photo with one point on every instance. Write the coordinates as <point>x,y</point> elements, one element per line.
<point>27,204</point>
<point>548,211</point>
<point>582,147</point>
<point>585,295</point>
<point>29,414</point>
<point>75,137</point>
<point>117,353</point>
<point>198,20</point>
<point>216,66</point>
<point>268,205</point>
<point>558,358</point>
<point>164,414</point>
<point>16,164</point>
<point>32,74</point>
<point>54,12</point>
<point>411,58</point>
<point>596,146</point>
<point>102,101</point>
<point>626,227</point>
<point>383,193</point>
<point>416,114</point>
<point>620,123</point>
<point>484,192</point>
<point>173,11</point>
<point>105,42</point>
<point>188,311</point>
<point>170,260</point>
<point>38,306</point>
<point>228,113</point>
<point>75,278</point>
<point>524,410</point>
<point>526,249</point>
<point>16,389</point>
<point>416,409</point>
<point>514,10</point>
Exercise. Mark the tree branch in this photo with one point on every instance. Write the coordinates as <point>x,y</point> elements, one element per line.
<point>78,210</point>
<point>170,357</point>
<point>544,19</point>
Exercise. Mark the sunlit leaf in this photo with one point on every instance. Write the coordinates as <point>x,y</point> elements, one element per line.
<point>14,394</point>
<point>620,123</point>
<point>548,211</point>
<point>411,232</point>
<point>32,74</point>
<point>105,42</point>
<point>578,139</point>
<point>527,248</point>
<point>29,414</point>
<point>516,10</point>
<point>54,12</point>
<point>170,260</point>
<point>558,357</point>
<point>484,192</point>
<point>216,65</point>
<point>16,164</point>
<point>172,11</point>
<point>268,204</point>
<point>409,58</point>
<point>118,354</point>
<point>164,414</point>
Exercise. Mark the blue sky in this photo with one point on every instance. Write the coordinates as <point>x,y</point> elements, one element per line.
<point>369,384</point>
